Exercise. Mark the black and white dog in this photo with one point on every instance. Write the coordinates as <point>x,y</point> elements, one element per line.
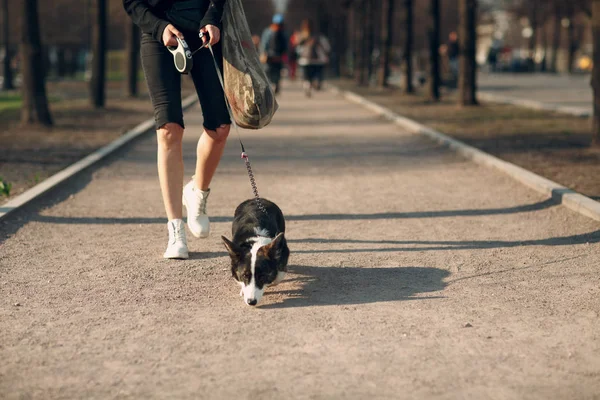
<point>259,252</point>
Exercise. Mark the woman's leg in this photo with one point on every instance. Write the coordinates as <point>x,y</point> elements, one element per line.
<point>170,168</point>
<point>209,152</point>
<point>164,86</point>
<point>216,117</point>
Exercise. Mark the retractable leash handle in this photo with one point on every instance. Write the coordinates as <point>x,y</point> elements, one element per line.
<point>182,56</point>
<point>244,155</point>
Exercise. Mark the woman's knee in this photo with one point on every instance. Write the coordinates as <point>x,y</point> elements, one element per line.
<point>170,135</point>
<point>222,133</point>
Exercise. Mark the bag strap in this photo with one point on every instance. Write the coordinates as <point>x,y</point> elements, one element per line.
<point>237,130</point>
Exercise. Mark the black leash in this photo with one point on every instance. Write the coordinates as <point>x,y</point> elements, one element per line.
<point>244,154</point>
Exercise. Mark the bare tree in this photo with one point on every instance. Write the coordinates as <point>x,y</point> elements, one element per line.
<point>98,81</point>
<point>595,11</point>
<point>8,75</point>
<point>133,57</point>
<point>408,46</point>
<point>434,52</point>
<point>467,37</point>
<point>533,22</point>
<point>35,102</point>
<point>387,35</point>
<point>556,35</point>
<point>362,51</point>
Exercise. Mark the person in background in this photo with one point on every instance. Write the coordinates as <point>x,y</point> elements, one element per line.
<point>273,47</point>
<point>293,55</point>
<point>313,50</point>
<point>453,52</point>
<point>256,42</point>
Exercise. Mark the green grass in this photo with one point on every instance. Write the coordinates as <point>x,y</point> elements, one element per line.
<point>10,101</point>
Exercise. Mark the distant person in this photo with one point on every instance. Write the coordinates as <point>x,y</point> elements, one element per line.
<point>256,42</point>
<point>274,45</point>
<point>293,54</point>
<point>453,53</point>
<point>492,58</point>
<point>313,50</point>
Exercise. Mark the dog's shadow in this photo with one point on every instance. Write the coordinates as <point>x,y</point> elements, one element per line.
<point>318,286</point>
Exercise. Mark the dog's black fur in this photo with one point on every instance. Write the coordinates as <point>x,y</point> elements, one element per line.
<point>250,226</point>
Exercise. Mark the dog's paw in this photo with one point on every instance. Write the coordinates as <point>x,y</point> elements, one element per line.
<point>241,292</point>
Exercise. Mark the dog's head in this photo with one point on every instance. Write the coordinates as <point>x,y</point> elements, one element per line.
<point>257,267</point>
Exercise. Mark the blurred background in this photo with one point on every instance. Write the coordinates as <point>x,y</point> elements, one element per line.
<point>70,74</point>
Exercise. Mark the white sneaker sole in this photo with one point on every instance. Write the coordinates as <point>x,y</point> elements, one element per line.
<point>180,256</point>
<point>195,234</point>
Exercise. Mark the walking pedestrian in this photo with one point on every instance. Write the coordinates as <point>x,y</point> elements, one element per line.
<point>161,23</point>
<point>274,45</point>
<point>313,50</point>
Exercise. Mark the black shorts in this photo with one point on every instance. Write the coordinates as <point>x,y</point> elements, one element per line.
<point>313,72</point>
<point>164,82</point>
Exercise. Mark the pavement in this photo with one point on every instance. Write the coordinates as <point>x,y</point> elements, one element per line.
<point>414,274</point>
<point>562,92</point>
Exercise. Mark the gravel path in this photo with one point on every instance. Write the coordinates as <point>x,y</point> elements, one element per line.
<point>415,274</point>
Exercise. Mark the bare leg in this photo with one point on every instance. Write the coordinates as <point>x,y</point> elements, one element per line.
<point>209,151</point>
<point>170,168</point>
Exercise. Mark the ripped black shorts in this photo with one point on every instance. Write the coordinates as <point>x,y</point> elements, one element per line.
<point>164,82</point>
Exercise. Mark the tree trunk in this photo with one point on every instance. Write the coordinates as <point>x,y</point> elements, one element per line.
<point>408,44</point>
<point>467,39</point>
<point>370,27</point>
<point>434,52</point>
<point>556,34</point>
<point>571,39</point>
<point>61,63</point>
<point>98,81</point>
<point>35,103</point>
<point>8,75</point>
<point>544,32</point>
<point>596,72</point>
<point>133,57</point>
<point>533,22</point>
<point>387,36</point>
<point>361,42</point>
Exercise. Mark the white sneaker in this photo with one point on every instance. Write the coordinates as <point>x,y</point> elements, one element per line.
<point>177,242</point>
<point>194,200</point>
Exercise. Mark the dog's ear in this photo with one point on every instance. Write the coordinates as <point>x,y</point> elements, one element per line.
<point>234,251</point>
<point>276,247</point>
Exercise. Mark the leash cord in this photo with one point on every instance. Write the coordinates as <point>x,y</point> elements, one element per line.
<point>244,154</point>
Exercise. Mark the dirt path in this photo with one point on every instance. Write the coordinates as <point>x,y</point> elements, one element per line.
<point>416,274</point>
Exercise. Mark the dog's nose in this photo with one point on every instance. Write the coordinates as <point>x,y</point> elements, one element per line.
<point>251,302</point>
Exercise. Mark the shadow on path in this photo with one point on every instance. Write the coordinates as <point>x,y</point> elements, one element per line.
<point>321,286</point>
<point>430,245</point>
<point>314,217</point>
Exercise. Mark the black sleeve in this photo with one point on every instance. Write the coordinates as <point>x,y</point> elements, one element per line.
<point>142,16</point>
<point>214,14</point>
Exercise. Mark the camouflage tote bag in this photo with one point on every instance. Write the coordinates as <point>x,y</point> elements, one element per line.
<point>247,87</point>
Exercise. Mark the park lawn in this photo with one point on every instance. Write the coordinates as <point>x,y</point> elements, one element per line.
<point>556,146</point>
<point>9,101</point>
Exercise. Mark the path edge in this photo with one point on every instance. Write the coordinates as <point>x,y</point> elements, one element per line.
<point>33,193</point>
<point>569,198</point>
<point>533,105</point>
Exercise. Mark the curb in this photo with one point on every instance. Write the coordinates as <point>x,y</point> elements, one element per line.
<point>534,105</point>
<point>63,175</point>
<point>563,195</point>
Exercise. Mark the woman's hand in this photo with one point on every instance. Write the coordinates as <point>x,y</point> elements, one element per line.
<point>169,35</point>
<point>213,32</point>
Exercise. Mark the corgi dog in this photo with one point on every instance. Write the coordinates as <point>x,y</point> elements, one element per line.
<point>258,250</point>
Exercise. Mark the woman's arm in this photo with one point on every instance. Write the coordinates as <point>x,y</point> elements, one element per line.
<point>214,14</point>
<point>142,16</point>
